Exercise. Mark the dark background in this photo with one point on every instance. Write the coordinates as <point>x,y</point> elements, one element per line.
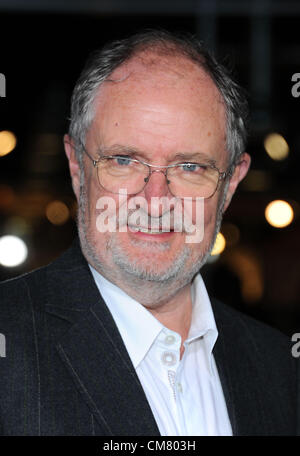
<point>43,47</point>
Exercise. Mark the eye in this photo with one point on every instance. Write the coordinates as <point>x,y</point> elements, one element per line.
<point>193,167</point>
<point>122,160</point>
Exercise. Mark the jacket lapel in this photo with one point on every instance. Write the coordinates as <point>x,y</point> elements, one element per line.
<point>93,351</point>
<point>241,373</point>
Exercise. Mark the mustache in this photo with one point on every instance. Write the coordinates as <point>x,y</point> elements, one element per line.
<point>162,214</point>
<point>177,221</point>
<point>158,214</point>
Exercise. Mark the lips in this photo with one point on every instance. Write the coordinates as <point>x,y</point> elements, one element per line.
<point>149,230</point>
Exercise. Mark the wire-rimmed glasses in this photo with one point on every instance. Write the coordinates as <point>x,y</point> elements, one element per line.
<point>122,173</point>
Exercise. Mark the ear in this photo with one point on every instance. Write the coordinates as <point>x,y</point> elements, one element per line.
<point>240,172</point>
<point>73,164</point>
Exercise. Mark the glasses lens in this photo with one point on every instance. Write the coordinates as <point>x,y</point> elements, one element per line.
<point>192,180</point>
<point>120,173</point>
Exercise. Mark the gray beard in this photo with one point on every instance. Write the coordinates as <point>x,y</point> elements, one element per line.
<point>141,280</point>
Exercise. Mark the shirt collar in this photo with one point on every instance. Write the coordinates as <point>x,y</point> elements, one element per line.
<point>203,322</point>
<point>139,328</point>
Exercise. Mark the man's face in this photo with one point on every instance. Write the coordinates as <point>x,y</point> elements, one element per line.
<point>159,110</point>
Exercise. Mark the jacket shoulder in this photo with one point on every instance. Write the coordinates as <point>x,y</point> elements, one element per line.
<point>17,289</point>
<point>16,301</point>
<point>265,341</point>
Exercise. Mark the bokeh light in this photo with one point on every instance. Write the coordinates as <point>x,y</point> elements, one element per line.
<point>13,251</point>
<point>219,244</point>
<point>246,265</point>
<point>17,225</point>
<point>57,212</point>
<point>8,142</point>
<point>276,146</point>
<point>279,213</point>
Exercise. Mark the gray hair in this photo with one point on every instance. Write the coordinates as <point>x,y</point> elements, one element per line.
<point>103,62</point>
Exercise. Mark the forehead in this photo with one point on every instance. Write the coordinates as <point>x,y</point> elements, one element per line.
<point>155,68</point>
<point>170,100</point>
<point>156,71</point>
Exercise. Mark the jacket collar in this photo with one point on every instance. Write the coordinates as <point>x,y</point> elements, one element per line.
<point>241,372</point>
<point>92,349</point>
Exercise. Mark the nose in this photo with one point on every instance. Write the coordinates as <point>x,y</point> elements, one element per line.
<point>156,187</point>
<point>156,184</point>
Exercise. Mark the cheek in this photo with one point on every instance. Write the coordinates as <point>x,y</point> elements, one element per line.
<point>210,219</point>
<point>199,249</point>
<point>111,217</point>
<point>202,213</point>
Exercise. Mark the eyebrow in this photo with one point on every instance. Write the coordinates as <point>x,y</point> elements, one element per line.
<point>180,157</point>
<point>120,149</point>
<point>199,157</point>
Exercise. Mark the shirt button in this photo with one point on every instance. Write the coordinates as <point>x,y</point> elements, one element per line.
<point>169,340</point>
<point>168,358</point>
<point>179,387</point>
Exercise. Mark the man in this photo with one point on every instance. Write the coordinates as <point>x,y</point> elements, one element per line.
<point>118,336</point>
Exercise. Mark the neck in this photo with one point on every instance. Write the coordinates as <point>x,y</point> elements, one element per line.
<point>169,303</point>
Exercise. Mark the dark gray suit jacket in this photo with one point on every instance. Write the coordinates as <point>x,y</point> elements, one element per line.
<point>67,371</point>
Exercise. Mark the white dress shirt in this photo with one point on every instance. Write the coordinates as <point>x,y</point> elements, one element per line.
<point>185,396</point>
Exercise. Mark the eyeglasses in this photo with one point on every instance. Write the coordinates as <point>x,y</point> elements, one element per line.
<point>119,173</point>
